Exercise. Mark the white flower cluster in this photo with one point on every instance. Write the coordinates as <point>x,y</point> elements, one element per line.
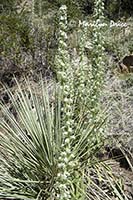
<point>99,8</point>
<point>98,67</point>
<point>62,60</point>
<point>98,64</point>
<point>82,68</point>
<point>85,83</point>
<point>65,77</point>
<point>91,77</point>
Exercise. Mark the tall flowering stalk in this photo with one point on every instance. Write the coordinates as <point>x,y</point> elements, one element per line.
<point>65,78</point>
<point>94,71</point>
<point>81,72</point>
<point>98,66</point>
<point>85,82</point>
<point>90,76</point>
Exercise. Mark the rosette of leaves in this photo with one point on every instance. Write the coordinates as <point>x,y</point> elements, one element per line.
<point>31,145</point>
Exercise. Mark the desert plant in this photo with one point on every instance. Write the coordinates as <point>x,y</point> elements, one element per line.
<point>42,152</point>
<point>74,85</point>
<point>48,146</point>
<point>32,156</point>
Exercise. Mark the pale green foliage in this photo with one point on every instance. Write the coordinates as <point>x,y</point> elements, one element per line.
<point>31,147</point>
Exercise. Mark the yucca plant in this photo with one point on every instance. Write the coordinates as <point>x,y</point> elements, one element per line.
<point>47,147</point>
<point>31,146</point>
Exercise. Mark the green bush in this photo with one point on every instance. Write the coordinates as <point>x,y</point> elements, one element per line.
<point>14,33</point>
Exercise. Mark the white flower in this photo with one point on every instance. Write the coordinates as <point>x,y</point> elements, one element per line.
<point>64,176</point>
<point>70,130</point>
<point>68,123</point>
<point>67,140</point>
<point>60,165</point>
<point>59,174</point>
<point>68,113</point>
<point>73,137</point>
<point>66,100</point>
<point>72,156</point>
<point>65,133</point>
<point>66,160</point>
<point>71,164</point>
<point>63,7</point>
<point>68,150</point>
<point>63,154</point>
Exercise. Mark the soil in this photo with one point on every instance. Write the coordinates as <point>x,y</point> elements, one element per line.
<point>120,166</point>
